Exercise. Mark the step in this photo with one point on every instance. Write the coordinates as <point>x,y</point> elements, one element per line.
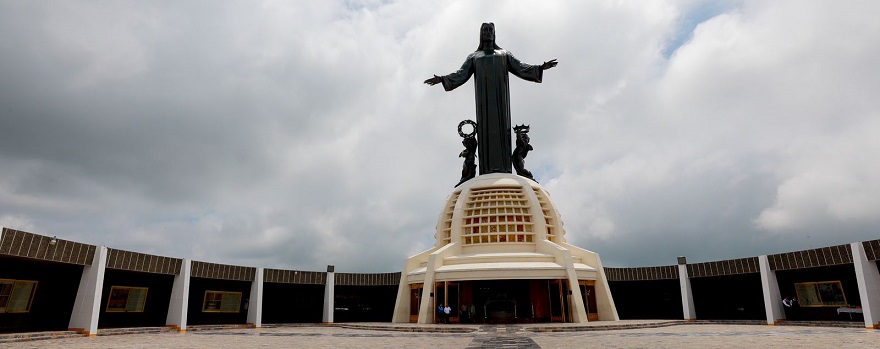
<point>728,322</point>
<point>217,327</point>
<point>409,328</point>
<point>846,324</point>
<point>600,326</point>
<point>295,324</point>
<point>34,336</point>
<point>131,330</point>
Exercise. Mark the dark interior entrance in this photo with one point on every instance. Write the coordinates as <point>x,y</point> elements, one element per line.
<point>502,301</point>
<point>505,301</point>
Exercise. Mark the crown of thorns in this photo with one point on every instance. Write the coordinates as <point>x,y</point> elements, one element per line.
<point>521,128</point>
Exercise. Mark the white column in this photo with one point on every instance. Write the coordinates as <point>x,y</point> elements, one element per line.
<point>578,309</point>
<point>428,304</point>
<point>88,296</point>
<point>687,295</point>
<point>869,285</point>
<point>179,298</point>
<point>255,305</point>
<point>401,305</point>
<point>772,297</point>
<point>328,296</point>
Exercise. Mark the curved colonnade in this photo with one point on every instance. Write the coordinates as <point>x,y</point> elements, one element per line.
<point>54,284</point>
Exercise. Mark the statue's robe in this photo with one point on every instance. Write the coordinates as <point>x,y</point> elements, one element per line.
<point>492,93</point>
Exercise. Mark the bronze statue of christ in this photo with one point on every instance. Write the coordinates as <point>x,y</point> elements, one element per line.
<point>490,65</point>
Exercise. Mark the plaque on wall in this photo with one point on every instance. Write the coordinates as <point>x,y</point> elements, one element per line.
<point>16,295</point>
<point>222,302</point>
<point>231,302</point>
<point>126,299</point>
<point>820,294</point>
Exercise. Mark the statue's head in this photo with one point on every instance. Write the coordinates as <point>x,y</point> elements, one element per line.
<point>469,142</point>
<point>522,133</point>
<point>487,37</point>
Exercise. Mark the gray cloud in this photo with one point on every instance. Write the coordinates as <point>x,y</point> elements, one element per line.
<point>299,134</point>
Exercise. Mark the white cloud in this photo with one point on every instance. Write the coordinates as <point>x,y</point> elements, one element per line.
<point>830,178</point>
<point>17,222</point>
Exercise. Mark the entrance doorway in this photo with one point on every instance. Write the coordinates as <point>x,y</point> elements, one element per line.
<point>588,291</point>
<point>503,301</point>
<point>447,294</point>
<point>507,301</point>
<point>415,298</point>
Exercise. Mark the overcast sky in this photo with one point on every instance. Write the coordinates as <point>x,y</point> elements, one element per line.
<point>297,134</point>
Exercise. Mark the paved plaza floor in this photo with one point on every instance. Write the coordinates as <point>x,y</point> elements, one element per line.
<point>485,336</point>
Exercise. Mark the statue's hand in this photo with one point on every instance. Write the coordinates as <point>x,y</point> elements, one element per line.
<point>433,81</point>
<point>549,64</point>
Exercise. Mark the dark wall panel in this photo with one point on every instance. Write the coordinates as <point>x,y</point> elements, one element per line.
<point>197,288</point>
<point>844,273</point>
<point>290,303</point>
<point>159,288</point>
<point>364,303</point>
<point>729,297</point>
<point>654,299</point>
<point>53,300</point>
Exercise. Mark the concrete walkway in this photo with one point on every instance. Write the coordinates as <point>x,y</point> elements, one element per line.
<point>621,334</point>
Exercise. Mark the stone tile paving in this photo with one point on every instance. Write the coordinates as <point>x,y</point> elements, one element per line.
<point>486,336</point>
<point>289,337</point>
<point>714,336</point>
<point>510,336</point>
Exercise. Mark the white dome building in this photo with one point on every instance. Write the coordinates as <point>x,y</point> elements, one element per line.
<point>501,257</point>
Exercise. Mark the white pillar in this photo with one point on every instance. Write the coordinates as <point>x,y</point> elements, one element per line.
<point>328,296</point>
<point>869,285</point>
<point>255,305</point>
<point>687,295</point>
<point>428,304</point>
<point>179,298</point>
<point>578,309</point>
<point>401,305</point>
<point>88,296</point>
<point>772,297</point>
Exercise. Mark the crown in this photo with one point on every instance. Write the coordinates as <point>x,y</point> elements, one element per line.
<point>521,128</point>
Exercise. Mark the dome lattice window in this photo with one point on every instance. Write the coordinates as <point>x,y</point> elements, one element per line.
<point>497,215</point>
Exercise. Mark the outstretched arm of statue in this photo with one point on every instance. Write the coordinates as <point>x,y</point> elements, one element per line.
<point>547,65</point>
<point>433,81</point>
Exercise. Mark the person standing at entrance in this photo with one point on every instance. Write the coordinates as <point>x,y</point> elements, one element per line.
<point>791,306</point>
<point>446,312</point>
<point>440,314</point>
